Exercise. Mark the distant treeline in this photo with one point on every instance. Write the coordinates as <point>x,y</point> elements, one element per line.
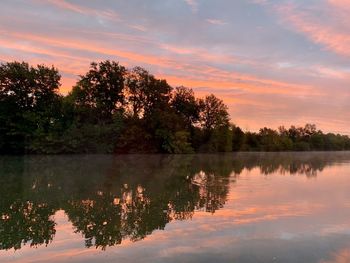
<point>112,109</point>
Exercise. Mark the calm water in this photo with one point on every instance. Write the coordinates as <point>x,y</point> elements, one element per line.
<point>289,207</point>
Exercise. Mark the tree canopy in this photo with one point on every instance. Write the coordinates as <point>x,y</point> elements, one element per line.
<point>112,109</point>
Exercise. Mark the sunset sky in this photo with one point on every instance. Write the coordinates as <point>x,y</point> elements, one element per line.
<point>273,62</point>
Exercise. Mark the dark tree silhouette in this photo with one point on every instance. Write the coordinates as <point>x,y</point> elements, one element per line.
<point>29,104</point>
<point>115,110</point>
<point>101,89</point>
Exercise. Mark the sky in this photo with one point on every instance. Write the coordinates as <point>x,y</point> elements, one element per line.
<point>273,62</point>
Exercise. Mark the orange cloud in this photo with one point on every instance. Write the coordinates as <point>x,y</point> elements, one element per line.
<point>341,256</point>
<point>207,76</point>
<point>241,83</point>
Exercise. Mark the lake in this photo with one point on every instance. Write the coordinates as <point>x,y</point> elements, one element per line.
<point>244,207</point>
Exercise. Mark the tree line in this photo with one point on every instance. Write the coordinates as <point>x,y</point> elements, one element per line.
<point>112,109</point>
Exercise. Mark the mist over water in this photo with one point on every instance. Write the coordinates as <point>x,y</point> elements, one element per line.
<point>244,207</point>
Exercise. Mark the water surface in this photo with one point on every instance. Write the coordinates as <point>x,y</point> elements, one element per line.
<point>248,207</point>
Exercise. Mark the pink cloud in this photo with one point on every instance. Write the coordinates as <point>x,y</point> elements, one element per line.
<point>193,4</point>
<point>329,29</point>
<point>63,4</point>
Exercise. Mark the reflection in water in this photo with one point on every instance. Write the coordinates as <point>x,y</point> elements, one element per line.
<point>109,199</point>
<point>106,198</point>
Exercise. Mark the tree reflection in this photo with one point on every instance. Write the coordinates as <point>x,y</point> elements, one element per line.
<point>126,207</point>
<point>25,222</point>
<point>109,199</point>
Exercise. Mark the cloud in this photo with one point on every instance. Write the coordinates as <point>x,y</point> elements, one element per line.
<point>193,4</point>
<point>63,4</point>
<point>216,22</point>
<point>327,25</point>
<point>139,27</point>
<point>341,256</point>
<point>273,62</point>
<point>71,7</point>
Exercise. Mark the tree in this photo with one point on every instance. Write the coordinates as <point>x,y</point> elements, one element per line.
<point>220,140</point>
<point>237,138</point>
<point>101,89</point>
<point>213,113</point>
<point>115,110</point>
<point>145,94</point>
<point>29,102</point>
<point>185,105</point>
<point>269,139</point>
<point>309,130</point>
<point>137,81</point>
<point>148,106</point>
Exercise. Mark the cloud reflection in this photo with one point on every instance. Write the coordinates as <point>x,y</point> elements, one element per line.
<point>138,194</point>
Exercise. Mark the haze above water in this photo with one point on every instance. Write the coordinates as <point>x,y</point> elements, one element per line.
<point>247,207</point>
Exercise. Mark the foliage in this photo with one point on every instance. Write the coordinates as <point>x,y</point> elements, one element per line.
<point>115,110</point>
<point>29,104</point>
<point>213,113</point>
<point>306,138</point>
<point>100,90</point>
